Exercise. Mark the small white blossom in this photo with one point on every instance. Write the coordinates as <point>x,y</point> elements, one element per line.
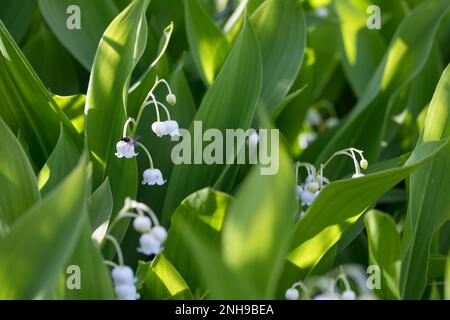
<point>159,233</point>
<point>358,175</point>
<point>149,244</point>
<point>312,186</point>
<point>364,164</point>
<point>171,99</point>
<point>348,295</point>
<point>152,177</point>
<point>142,224</point>
<point>126,292</point>
<point>314,117</point>
<point>125,150</point>
<point>122,275</point>
<point>299,191</point>
<point>332,122</point>
<point>306,139</point>
<point>160,128</point>
<point>172,128</point>
<point>322,12</point>
<point>292,294</point>
<point>309,197</point>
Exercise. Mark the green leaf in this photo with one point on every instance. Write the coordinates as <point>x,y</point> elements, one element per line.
<point>384,251</point>
<point>35,251</point>
<point>162,281</point>
<point>281,31</point>
<point>447,279</point>
<point>341,203</point>
<point>101,207</point>
<point>16,15</point>
<point>204,213</point>
<point>209,46</point>
<point>429,204</point>
<point>61,162</point>
<point>361,48</point>
<point>407,54</point>
<point>218,110</point>
<point>26,105</point>
<point>255,234</point>
<point>18,185</point>
<point>118,53</point>
<point>94,16</point>
<point>73,107</point>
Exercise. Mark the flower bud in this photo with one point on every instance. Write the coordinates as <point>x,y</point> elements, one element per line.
<point>171,99</point>
<point>142,224</point>
<point>292,294</point>
<point>364,164</point>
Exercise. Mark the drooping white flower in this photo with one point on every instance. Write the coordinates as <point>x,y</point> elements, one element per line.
<point>314,117</point>
<point>126,292</point>
<point>364,164</point>
<point>172,128</point>
<point>332,122</point>
<point>125,149</point>
<point>348,295</point>
<point>160,128</point>
<point>149,244</point>
<point>299,191</point>
<point>308,197</point>
<point>171,99</point>
<point>253,139</point>
<point>322,12</point>
<point>142,224</point>
<point>292,294</point>
<point>152,177</point>
<point>358,175</point>
<point>305,139</point>
<point>312,186</point>
<point>160,234</point>
<point>122,275</point>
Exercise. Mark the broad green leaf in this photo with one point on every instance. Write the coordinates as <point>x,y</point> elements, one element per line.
<point>228,104</point>
<point>204,213</point>
<point>361,48</point>
<point>280,28</point>
<point>384,251</point>
<point>26,105</point>
<point>162,281</point>
<point>18,185</point>
<point>16,15</point>
<point>61,162</point>
<point>38,246</point>
<point>73,107</point>
<point>404,59</point>
<point>58,70</point>
<point>256,230</point>
<point>101,207</point>
<point>209,46</point>
<point>429,204</point>
<point>94,16</point>
<point>95,281</point>
<point>341,203</point>
<point>119,50</point>
<point>447,279</point>
<point>436,267</point>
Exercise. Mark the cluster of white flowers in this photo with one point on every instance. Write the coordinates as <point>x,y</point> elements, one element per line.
<point>153,236</point>
<point>328,288</point>
<point>125,148</point>
<point>308,190</point>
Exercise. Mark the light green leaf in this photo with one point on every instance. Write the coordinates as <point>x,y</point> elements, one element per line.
<point>429,204</point>
<point>26,105</point>
<point>162,281</point>
<point>73,107</point>
<point>256,231</point>
<point>35,251</point>
<point>218,110</point>
<point>203,212</point>
<point>101,206</point>
<point>341,203</point>
<point>209,46</point>
<point>94,16</point>
<point>384,251</point>
<point>18,185</point>
<point>61,162</point>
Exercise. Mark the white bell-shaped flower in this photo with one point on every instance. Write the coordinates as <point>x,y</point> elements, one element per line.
<point>142,224</point>
<point>364,164</point>
<point>123,275</point>
<point>149,244</point>
<point>312,186</point>
<point>171,99</point>
<point>160,128</point>
<point>292,294</point>
<point>152,177</point>
<point>308,197</point>
<point>126,292</point>
<point>159,233</point>
<point>299,191</point>
<point>125,150</point>
<point>348,295</point>
<point>172,128</point>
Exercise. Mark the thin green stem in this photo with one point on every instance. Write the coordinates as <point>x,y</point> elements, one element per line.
<point>147,152</point>
<point>117,247</point>
<point>125,126</point>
